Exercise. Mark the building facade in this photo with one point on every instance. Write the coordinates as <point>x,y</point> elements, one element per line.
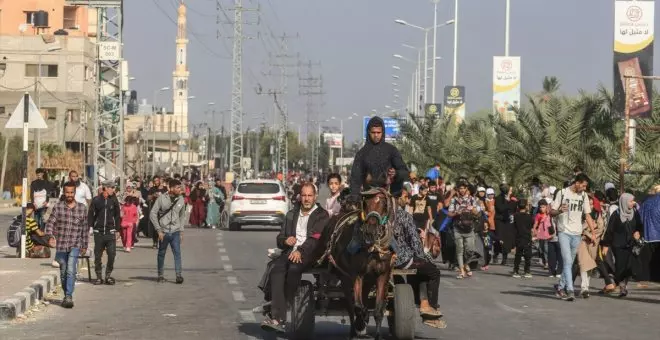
<point>54,61</point>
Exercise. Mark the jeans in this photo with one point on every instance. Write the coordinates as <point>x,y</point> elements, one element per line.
<point>174,241</point>
<point>464,246</point>
<point>555,262</point>
<point>569,245</point>
<point>108,243</point>
<point>543,251</point>
<point>68,262</point>
<point>39,218</point>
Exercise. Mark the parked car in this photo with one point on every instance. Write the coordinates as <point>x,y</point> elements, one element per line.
<point>258,202</point>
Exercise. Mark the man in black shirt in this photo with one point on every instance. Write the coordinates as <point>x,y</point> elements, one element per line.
<point>421,209</point>
<point>434,202</point>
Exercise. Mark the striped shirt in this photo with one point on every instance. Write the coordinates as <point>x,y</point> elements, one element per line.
<point>31,227</point>
<point>68,226</point>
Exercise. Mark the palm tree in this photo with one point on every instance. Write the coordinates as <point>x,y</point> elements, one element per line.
<point>550,87</point>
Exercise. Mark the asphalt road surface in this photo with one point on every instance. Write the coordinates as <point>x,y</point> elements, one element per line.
<point>222,269</point>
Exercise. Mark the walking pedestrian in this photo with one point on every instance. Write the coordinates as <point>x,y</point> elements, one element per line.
<point>129,219</point>
<point>105,219</point>
<point>168,216</point>
<point>154,192</point>
<point>524,223</point>
<point>68,224</point>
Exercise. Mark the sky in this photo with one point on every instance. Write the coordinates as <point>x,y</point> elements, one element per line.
<point>354,41</point>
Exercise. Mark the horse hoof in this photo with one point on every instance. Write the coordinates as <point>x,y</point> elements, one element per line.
<point>361,332</point>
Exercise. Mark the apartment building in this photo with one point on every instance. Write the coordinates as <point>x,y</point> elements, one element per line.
<point>47,49</point>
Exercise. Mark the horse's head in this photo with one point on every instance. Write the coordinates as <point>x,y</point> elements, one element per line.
<point>375,210</point>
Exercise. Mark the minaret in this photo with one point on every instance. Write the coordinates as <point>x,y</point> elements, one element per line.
<point>180,76</point>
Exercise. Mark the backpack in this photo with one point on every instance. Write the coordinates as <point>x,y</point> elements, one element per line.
<point>14,232</point>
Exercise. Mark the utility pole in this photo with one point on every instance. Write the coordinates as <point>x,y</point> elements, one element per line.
<point>279,98</point>
<point>312,86</point>
<point>236,120</point>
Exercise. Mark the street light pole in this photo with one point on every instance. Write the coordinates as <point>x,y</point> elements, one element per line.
<point>435,44</point>
<point>507,21</point>
<point>426,61</point>
<point>455,42</point>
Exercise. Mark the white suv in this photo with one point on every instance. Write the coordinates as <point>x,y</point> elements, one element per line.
<point>258,202</point>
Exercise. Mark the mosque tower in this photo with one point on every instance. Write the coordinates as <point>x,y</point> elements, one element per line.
<point>180,77</point>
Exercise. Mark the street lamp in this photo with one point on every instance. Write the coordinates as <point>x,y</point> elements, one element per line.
<point>341,129</point>
<point>426,46</point>
<point>153,129</point>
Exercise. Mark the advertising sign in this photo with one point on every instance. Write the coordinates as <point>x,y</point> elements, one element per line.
<point>506,86</point>
<point>455,101</point>
<point>392,129</point>
<point>333,140</point>
<point>432,109</point>
<point>633,56</point>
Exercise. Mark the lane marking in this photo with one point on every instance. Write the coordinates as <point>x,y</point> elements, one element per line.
<point>232,280</point>
<point>247,316</point>
<point>221,244</point>
<point>224,258</point>
<point>509,308</point>
<point>228,267</point>
<point>238,296</point>
<point>222,250</point>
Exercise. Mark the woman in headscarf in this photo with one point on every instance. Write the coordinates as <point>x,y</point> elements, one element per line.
<point>198,200</point>
<point>217,199</point>
<point>505,207</point>
<point>623,231</point>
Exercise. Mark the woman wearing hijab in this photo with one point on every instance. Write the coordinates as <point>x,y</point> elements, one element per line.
<point>623,230</point>
<point>505,207</point>
<point>198,200</point>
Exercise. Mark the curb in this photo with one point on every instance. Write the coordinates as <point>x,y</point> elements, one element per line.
<point>31,295</point>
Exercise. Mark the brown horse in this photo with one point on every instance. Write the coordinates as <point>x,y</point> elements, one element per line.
<point>368,233</point>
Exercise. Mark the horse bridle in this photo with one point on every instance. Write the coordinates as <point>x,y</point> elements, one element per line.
<point>381,242</point>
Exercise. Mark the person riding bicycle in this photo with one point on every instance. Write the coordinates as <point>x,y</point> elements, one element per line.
<point>379,160</point>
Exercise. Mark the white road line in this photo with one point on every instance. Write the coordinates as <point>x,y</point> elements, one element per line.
<point>221,244</point>
<point>224,258</point>
<point>509,308</point>
<point>247,316</point>
<point>228,267</point>
<point>238,296</point>
<point>232,280</point>
<point>222,250</point>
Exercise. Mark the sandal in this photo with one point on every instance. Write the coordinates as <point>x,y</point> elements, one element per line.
<point>98,281</point>
<point>469,274</point>
<point>430,313</point>
<point>110,281</point>
<point>270,325</point>
<point>460,276</point>
<point>437,323</point>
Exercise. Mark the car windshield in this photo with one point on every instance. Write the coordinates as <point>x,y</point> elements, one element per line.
<point>258,188</point>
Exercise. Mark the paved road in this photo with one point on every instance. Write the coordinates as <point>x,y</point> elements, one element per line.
<point>222,269</point>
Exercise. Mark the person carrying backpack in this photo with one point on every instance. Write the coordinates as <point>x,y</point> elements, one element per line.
<point>168,216</point>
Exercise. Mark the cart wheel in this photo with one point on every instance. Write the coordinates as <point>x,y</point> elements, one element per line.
<point>402,317</point>
<point>302,317</point>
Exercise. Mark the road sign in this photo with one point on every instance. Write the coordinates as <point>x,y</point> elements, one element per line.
<point>246,163</point>
<point>109,51</point>
<point>35,120</point>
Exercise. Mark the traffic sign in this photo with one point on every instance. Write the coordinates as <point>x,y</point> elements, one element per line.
<point>35,120</point>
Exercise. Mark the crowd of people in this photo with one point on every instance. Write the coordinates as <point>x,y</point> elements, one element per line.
<point>64,217</point>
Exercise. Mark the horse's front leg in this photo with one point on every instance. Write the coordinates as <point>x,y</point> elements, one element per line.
<point>347,288</point>
<point>360,311</point>
<point>381,301</point>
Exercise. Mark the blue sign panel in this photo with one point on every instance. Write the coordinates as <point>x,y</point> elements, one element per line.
<point>392,128</point>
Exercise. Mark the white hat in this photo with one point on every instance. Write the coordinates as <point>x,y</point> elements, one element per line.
<point>552,190</point>
<point>481,189</point>
<point>609,185</point>
<point>490,191</point>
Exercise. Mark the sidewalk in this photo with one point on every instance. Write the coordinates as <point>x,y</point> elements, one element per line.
<point>7,203</point>
<point>23,283</point>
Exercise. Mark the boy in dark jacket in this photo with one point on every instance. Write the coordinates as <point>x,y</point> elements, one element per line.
<point>524,224</point>
<point>104,218</point>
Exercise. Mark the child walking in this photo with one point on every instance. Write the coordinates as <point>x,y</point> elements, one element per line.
<point>129,219</point>
<point>542,225</point>
<point>524,224</point>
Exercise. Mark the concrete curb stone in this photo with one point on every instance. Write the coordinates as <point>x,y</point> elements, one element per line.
<point>22,301</point>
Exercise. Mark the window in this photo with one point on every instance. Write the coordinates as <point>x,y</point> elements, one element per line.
<point>49,113</point>
<point>29,17</point>
<point>47,71</point>
<point>69,20</point>
<point>73,116</point>
<point>258,188</point>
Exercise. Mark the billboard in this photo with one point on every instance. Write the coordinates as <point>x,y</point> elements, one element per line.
<point>333,140</point>
<point>392,128</point>
<point>455,101</point>
<point>633,56</point>
<point>432,109</point>
<point>506,86</point>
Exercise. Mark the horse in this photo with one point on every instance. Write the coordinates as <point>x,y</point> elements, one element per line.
<point>371,227</point>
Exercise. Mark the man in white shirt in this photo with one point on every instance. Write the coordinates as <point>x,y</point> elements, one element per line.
<point>570,205</point>
<point>299,242</point>
<point>83,194</point>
